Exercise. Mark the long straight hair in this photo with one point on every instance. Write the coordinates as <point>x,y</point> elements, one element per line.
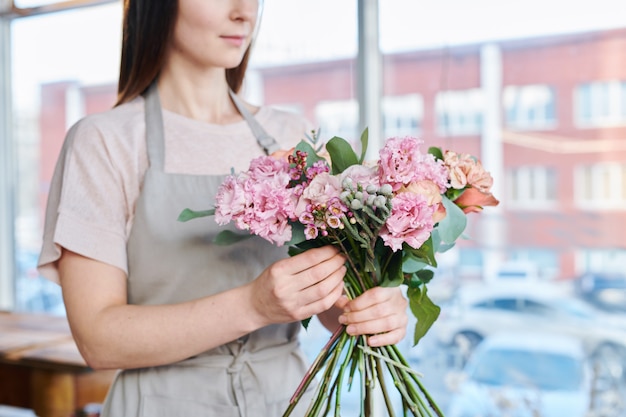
<point>147,29</point>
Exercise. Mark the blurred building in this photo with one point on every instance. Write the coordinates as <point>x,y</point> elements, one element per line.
<point>561,117</point>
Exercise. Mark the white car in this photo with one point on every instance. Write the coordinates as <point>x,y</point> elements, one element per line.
<point>524,375</point>
<point>480,310</point>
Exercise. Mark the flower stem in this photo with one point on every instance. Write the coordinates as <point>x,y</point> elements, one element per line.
<point>314,369</point>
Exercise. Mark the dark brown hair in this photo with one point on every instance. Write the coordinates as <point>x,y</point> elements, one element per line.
<point>147,29</point>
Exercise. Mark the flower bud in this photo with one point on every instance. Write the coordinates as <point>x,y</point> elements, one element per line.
<point>356,204</point>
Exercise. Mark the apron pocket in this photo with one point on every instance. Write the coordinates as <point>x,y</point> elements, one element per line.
<point>153,406</point>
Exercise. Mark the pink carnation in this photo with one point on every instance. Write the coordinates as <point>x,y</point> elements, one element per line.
<point>230,200</point>
<point>411,221</point>
<point>402,162</point>
<point>259,200</point>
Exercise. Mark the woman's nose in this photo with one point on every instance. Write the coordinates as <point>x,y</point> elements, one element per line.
<point>245,10</point>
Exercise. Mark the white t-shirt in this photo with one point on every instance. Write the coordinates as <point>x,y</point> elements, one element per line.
<point>100,172</point>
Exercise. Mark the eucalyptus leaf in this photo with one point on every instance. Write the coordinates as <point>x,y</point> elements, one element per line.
<point>297,234</point>
<point>453,225</point>
<point>425,311</point>
<point>341,154</point>
<point>412,264</point>
<point>188,214</point>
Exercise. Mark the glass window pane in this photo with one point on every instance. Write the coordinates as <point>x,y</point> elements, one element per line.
<point>52,78</point>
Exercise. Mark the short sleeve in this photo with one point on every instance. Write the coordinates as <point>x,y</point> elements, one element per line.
<point>88,206</point>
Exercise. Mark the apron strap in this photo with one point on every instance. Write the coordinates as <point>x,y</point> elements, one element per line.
<point>267,142</point>
<point>154,127</point>
<point>155,140</point>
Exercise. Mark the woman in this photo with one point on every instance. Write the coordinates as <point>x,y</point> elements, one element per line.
<point>197,329</point>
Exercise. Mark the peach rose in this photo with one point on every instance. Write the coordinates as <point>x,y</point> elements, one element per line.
<point>473,200</point>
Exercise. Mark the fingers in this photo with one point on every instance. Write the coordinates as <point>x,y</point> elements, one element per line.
<point>301,286</point>
<point>311,267</point>
<point>381,312</point>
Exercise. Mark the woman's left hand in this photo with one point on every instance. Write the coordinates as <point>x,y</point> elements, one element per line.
<point>380,312</point>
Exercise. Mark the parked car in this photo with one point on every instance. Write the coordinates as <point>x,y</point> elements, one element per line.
<point>523,375</point>
<point>605,291</point>
<point>480,310</point>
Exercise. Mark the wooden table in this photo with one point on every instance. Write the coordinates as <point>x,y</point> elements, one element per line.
<point>41,368</point>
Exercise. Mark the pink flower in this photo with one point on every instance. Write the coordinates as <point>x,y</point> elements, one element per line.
<point>230,200</point>
<point>267,167</point>
<point>259,200</point>
<point>466,170</point>
<point>473,200</point>
<point>402,162</point>
<point>319,192</point>
<point>410,222</point>
<point>360,175</point>
<point>431,193</point>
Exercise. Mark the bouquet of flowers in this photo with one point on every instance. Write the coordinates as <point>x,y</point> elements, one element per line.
<point>389,218</point>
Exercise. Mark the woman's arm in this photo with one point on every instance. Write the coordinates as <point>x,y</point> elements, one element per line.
<point>110,333</point>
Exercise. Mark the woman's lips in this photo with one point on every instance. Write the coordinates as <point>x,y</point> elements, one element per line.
<point>234,40</point>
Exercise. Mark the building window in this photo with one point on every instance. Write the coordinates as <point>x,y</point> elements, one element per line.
<point>338,118</point>
<point>601,104</point>
<point>402,115</point>
<point>459,112</point>
<point>601,261</point>
<point>532,187</point>
<point>530,107</point>
<point>601,186</point>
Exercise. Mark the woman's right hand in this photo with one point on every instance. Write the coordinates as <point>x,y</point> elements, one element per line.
<point>299,287</point>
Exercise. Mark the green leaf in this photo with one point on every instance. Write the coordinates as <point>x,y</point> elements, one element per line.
<point>453,193</point>
<point>364,145</point>
<point>311,155</point>
<point>425,311</point>
<point>189,214</point>
<point>228,237</point>
<point>341,154</point>
<point>393,275</point>
<point>297,234</point>
<point>412,264</point>
<point>453,225</point>
<point>425,275</point>
<point>425,252</point>
<point>413,281</point>
<point>436,152</point>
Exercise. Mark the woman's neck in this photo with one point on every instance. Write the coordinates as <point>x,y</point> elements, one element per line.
<point>197,95</point>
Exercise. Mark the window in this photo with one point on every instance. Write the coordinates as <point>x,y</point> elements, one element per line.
<point>601,103</point>
<point>53,79</point>
<point>530,107</point>
<point>459,112</point>
<point>531,187</point>
<point>338,118</point>
<point>601,261</point>
<point>602,186</point>
<point>402,115</point>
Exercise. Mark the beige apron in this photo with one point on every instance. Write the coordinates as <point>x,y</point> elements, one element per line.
<point>171,262</point>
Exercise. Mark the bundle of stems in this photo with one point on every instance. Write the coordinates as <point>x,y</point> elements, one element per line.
<point>344,355</point>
